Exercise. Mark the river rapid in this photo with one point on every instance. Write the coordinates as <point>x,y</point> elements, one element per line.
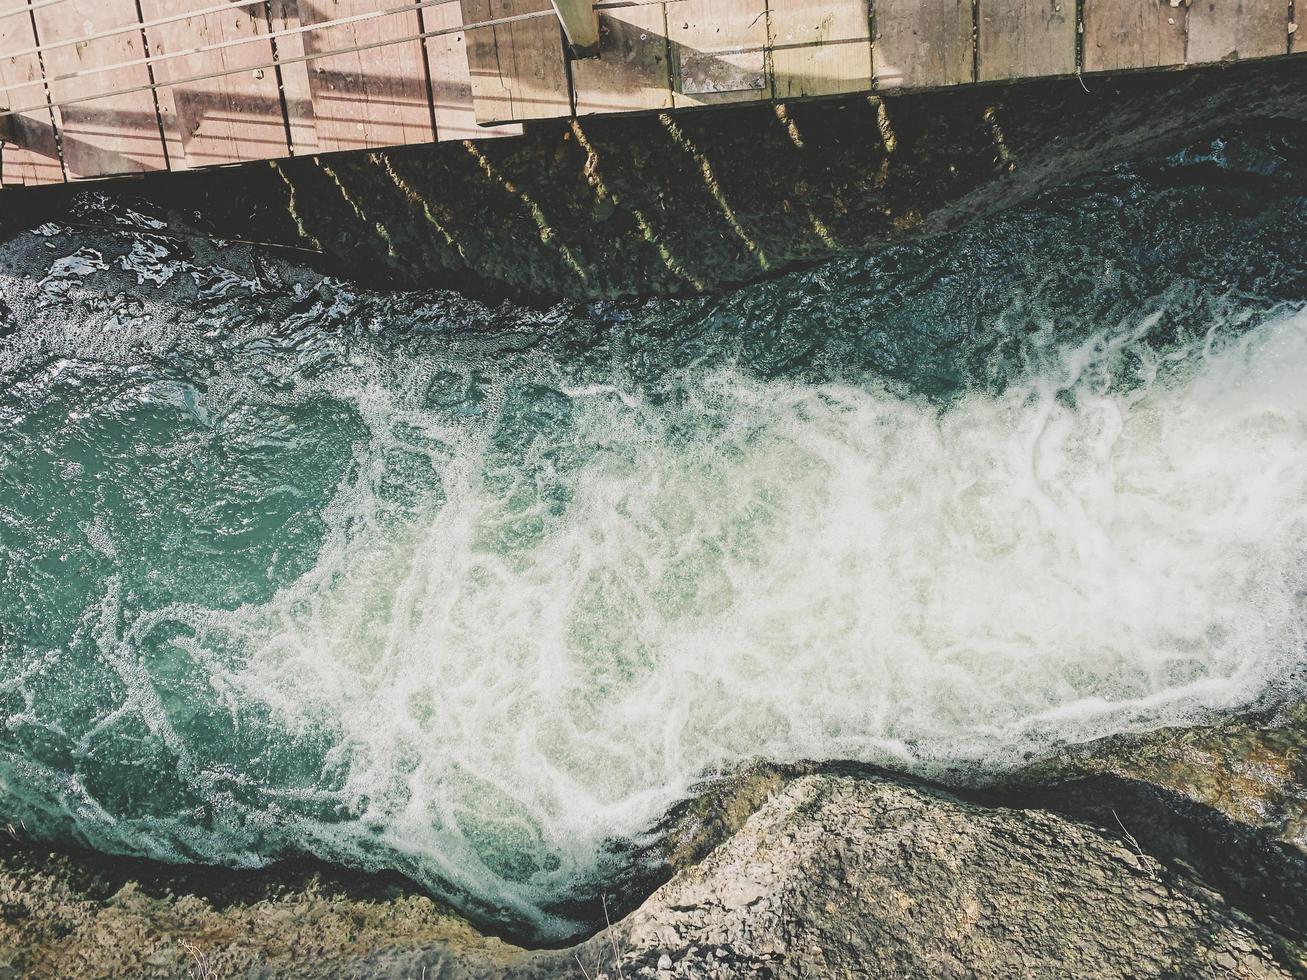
<point>475,593</point>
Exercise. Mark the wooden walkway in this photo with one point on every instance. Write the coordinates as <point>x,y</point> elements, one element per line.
<point>103,88</point>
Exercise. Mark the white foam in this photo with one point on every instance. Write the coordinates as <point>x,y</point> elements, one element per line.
<point>562,636</point>
<point>80,264</point>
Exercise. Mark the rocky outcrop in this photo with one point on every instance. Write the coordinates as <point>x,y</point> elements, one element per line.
<point>842,875</point>
<point>1252,771</point>
<point>1173,854</point>
<point>82,915</point>
<point>1228,801</point>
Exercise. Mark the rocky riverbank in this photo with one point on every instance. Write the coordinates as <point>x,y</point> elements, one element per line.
<point>1180,853</point>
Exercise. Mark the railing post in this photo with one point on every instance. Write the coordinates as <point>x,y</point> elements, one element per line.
<point>581,25</point>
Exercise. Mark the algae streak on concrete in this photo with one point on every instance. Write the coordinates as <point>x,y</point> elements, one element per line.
<point>612,207</point>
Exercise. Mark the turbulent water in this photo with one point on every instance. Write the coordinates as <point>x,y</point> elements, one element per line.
<point>407,582</point>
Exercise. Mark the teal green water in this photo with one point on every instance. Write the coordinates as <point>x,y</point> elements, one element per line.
<point>409,582</point>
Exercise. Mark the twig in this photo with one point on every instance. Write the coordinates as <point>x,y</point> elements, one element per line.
<point>200,971</point>
<point>608,928</point>
<point>1143,858</point>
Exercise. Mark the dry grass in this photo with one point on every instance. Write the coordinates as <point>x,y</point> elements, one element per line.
<point>612,943</point>
<point>199,968</point>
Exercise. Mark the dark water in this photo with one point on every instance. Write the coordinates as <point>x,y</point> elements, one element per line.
<point>404,581</point>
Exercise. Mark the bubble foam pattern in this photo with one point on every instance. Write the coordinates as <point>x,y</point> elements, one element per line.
<point>474,595</point>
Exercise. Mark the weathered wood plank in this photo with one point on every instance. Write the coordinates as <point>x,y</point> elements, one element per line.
<point>1026,38</point>
<point>819,47</point>
<point>632,71</point>
<point>372,98</point>
<point>1225,30</point>
<point>118,134</point>
<point>28,151</point>
<point>718,51</point>
<point>1132,34</point>
<point>296,91</point>
<point>655,55</point>
<point>451,84</point>
<point>517,70</point>
<point>228,119</point>
<point>922,43</point>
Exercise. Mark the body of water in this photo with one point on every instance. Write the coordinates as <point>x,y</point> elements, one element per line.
<point>409,582</point>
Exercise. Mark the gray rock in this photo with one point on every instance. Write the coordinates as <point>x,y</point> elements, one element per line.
<point>1134,857</point>
<point>857,876</point>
